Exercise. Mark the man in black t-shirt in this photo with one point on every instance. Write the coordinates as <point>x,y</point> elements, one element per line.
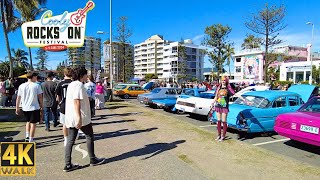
<point>61,99</point>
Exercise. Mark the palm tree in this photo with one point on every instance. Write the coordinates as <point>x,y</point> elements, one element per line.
<point>29,13</point>
<point>251,42</point>
<point>229,56</point>
<point>10,22</point>
<point>20,58</point>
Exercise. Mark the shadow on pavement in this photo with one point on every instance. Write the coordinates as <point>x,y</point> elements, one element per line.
<point>303,146</point>
<point>122,132</point>
<point>150,149</point>
<point>7,136</point>
<point>112,122</point>
<point>98,117</point>
<point>116,107</point>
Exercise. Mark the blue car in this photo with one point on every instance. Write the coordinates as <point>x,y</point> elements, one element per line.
<point>265,106</point>
<point>169,103</point>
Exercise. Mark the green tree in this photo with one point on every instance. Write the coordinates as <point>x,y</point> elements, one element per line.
<point>147,77</point>
<point>216,38</point>
<point>20,59</point>
<point>124,52</point>
<point>4,68</point>
<point>251,42</point>
<point>10,22</point>
<point>29,13</point>
<point>42,57</point>
<point>268,22</point>
<point>182,61</point>
<point>229,56</point>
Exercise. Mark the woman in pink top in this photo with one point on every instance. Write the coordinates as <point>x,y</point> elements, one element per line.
<point>100,95</point>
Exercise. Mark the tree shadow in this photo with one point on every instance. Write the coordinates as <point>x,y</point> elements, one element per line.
<point>116,107</point>
<point>99,117</point>
<point>121,132</point>
<point>303,146</point>
<point>112,122</point>
<point>150,149</point>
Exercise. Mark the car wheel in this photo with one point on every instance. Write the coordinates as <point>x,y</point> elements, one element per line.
<point>126,96</point>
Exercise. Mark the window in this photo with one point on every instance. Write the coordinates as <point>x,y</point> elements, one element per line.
<point>171,91</point>
<point>179,91</point>
<point>238,69</point>
<point>255,101</point>
<point>238,59</point>
<point>293,100</point>
<point>312,106</point>
<point>280,102</point>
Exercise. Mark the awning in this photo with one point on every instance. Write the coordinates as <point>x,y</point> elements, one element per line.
<point>23,76</point>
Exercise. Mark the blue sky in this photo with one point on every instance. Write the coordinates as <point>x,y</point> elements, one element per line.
<point>176,19</point>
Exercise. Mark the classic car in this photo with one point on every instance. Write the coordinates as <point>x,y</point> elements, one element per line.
<point>302,125</point>
<point>159,93</point>
<point>196,105</point>
<point>248,89</point>
<point>169,103</point>
<point>128,90</point>
<point>259,115</point>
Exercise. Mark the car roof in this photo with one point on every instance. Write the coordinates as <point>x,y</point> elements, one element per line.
<point>271,95</point>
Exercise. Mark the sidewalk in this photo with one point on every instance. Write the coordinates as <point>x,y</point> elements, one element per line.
<point>143,144</point>
<point>130,153</point>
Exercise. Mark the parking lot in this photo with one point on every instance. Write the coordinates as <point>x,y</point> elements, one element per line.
<point>270,141</point>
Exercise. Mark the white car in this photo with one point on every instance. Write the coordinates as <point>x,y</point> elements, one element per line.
<point>248,89</point>
<point>196,105</point>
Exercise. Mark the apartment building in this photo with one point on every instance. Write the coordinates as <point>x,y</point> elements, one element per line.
<point>158,56</point>
<point>120,66</point>
<point>89,55</point>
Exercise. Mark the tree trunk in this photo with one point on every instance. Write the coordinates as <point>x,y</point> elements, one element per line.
<point>31,66</point>
<point>4,22</point>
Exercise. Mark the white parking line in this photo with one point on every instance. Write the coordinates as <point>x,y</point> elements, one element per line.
<point>270,142</point>
<point>208,125</point>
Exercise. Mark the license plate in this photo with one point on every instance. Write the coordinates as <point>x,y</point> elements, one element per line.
<point>309,129</point>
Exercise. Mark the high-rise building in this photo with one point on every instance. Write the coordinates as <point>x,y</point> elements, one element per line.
<point>89,55</point>
<point>122,68</point>
<point>158,56</point>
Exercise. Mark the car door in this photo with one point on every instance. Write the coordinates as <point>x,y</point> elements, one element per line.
<point>131,91</point>
<point>266,118</point>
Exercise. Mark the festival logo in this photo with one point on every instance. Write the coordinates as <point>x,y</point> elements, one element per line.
<point>57,33</point>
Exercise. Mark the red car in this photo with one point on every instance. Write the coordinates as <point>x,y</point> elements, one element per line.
<point>302,125</point>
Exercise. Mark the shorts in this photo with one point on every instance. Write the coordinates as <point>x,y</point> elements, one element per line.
<point>221,110</point>
<point>62,118</point>
<point>32,116</point>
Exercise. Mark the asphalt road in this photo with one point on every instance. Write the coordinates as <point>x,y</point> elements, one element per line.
<point>299,151</point>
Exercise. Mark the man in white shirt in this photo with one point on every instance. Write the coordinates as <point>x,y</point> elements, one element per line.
<point>78,116</point>
<point>30,96</point>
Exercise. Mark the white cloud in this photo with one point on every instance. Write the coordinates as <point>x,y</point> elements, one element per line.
<point>197,39</point>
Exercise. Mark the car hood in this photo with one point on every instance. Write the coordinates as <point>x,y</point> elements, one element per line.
<point>148,85</point>
<point>304,90</point>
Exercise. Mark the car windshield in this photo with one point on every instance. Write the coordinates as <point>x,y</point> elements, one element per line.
<point>255,101</point>
<point>157,90</point>
<point>311,106</point>
<point>189,92</point>
<point>120,87</point>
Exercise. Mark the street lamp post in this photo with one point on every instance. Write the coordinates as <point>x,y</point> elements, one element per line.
<point>310,77</point>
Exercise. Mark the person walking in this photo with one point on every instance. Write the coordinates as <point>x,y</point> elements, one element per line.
<point>78,116</point>
<point>9,91</point>
<point>30,96</point>
<point>221,103</point>
<point>99,96</point>
<point>61,99</point>
<point>91,91</point>
<point>49,101</point>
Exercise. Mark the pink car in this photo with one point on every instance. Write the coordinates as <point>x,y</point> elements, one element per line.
<point>302,125</point>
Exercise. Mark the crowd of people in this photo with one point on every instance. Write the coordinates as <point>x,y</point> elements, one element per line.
<point>75,98</point>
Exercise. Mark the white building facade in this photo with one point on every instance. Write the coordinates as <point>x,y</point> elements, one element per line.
<point>159,56</point>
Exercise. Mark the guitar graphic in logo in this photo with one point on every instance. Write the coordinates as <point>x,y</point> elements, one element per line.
<point>77,17</point>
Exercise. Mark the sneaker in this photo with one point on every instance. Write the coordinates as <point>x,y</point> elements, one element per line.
<point>218,138</point>
<point>221,139</point>
<point>26,139</point>
<point>97,161</point>
<point>56,124</point>
<point>71,167</point>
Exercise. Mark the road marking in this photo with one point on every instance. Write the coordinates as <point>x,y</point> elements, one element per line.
<point>270,142</point>
<point>84,152</point>
<point>211,125</point>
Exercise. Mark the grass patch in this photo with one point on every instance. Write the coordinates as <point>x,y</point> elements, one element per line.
<point>10,126</point>
<point>185,159</point>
